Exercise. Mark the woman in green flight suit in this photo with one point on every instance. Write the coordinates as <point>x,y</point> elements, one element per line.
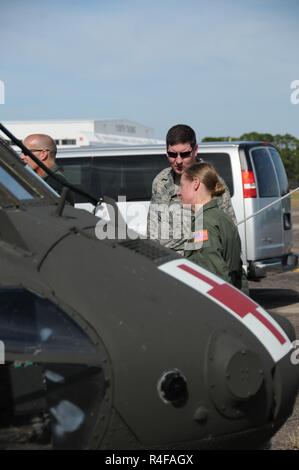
<point>215,243</point>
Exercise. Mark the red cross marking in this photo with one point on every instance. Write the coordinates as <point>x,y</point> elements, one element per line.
<point>234,300</point>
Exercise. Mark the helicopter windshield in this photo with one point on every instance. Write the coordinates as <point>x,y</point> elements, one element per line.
<point>11,184</point>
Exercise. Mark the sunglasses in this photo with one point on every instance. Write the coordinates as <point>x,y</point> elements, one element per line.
<point>37,150</point>
<point>181,154</point>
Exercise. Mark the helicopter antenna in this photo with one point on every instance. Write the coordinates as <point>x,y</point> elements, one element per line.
<point>62,202</point>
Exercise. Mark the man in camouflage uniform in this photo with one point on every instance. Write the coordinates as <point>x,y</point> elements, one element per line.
<point>181,153</point>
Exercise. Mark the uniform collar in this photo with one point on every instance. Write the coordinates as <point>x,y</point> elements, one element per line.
<point>169,181</point>
<point>210,205</point>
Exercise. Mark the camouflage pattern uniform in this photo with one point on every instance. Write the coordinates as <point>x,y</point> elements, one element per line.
<point>164,191</point>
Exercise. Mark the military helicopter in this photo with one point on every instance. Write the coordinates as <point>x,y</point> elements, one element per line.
<point>122,344</point>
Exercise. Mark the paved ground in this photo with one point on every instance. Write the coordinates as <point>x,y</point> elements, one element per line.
<point>280,294</point>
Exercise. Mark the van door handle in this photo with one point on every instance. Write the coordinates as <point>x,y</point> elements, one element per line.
<point>287,221</point>
<point>267,239</point>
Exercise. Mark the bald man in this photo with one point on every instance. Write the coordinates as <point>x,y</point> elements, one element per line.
<point>44,148</point>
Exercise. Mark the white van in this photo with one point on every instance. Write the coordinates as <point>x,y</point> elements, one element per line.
<point>253,172</point>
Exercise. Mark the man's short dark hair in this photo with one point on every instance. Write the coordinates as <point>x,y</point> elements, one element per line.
<point>181,134</point>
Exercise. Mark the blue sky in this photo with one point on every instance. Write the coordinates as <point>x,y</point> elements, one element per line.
<point>222,66</point>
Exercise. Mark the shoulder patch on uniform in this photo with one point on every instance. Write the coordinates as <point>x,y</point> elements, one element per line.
<point>200,236</point>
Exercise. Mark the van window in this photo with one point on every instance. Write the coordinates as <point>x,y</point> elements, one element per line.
<point>125,175</point>
<point>222,163</point>
<point>78,172</point>
<point>264,173</point>
<point>130,176</point>
<point>281,173</point>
